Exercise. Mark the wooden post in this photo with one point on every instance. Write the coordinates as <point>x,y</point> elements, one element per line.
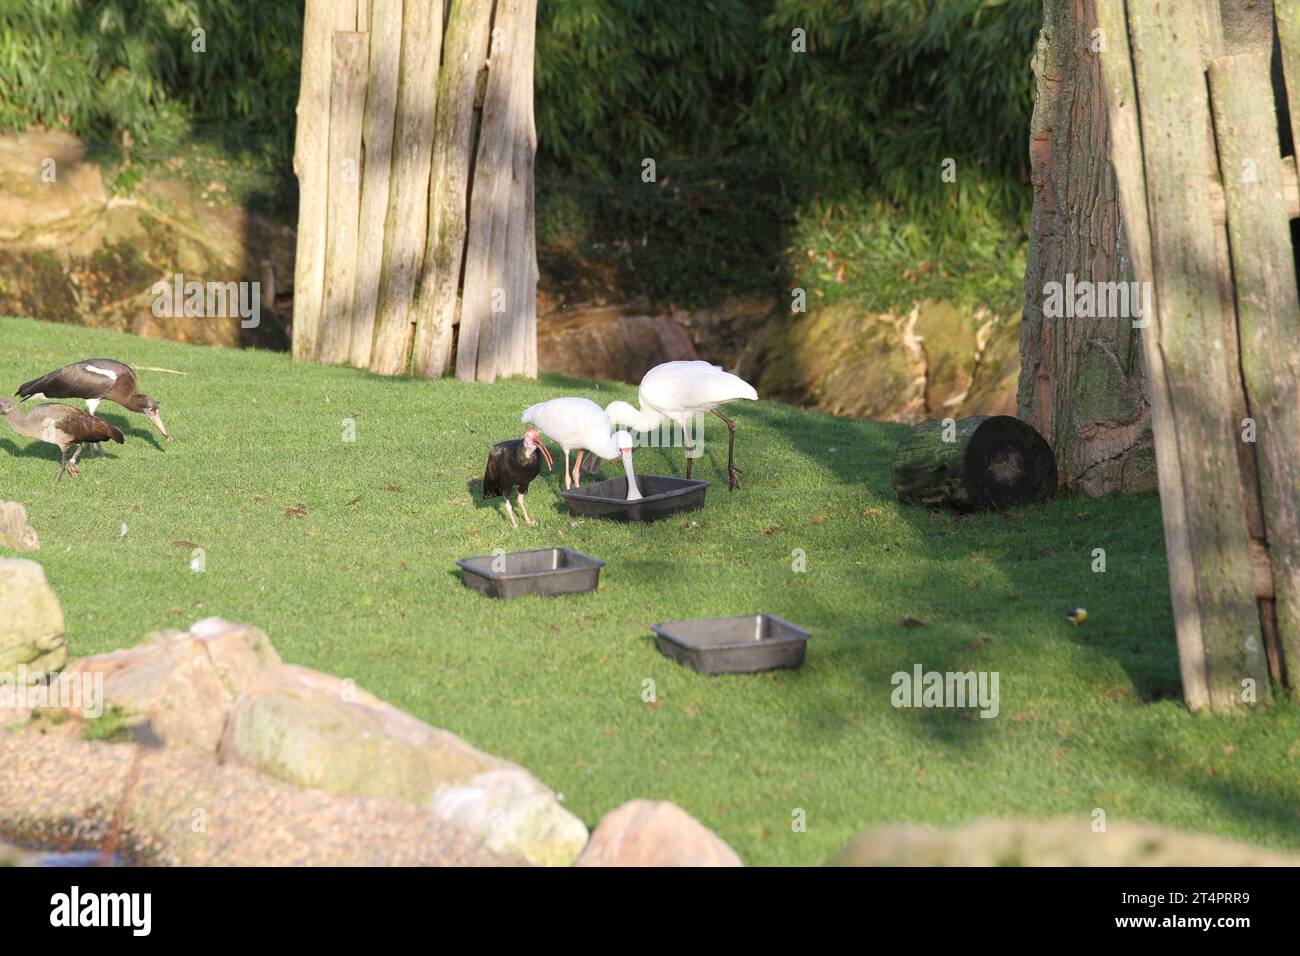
<point>1267,305</point>
<point>408,209</point>
<point>436,297</point>
<point>1126,156</point>
<point>500,287</point>
<point>377,135</point>
<point>347,98</point>
<point>311,166</point>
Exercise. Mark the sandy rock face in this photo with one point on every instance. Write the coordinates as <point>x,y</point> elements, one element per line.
<point>183,684</point>
<point>655,833</point>
<point>15,533</point>
<point>31,621</point>
<point>1064,842</point>
<point>318,731</point>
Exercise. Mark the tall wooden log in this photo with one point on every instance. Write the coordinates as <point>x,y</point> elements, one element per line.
<point>1189,328</point>
<point>486,295</point>
<point>973,463</point>
<point>311,166</point>
<point>517,269</point>
<point>405,226</point>
<point>1126,154</point>
<point>436,297</point>
<point>347,99</point>
<point>1288,37</point>
<point>1082,381</point>
<point>377,135</point>
<point>1267,307</point>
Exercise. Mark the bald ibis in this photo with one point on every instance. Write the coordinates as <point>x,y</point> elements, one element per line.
<point>678,391</point>
<point>579,423</point>
<point>513,465</point>
<point>60,425</point>
<point>96,380</point>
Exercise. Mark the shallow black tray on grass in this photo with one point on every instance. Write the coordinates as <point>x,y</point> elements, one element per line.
<point>661,496</point>
<point>549,571</point>
<point>733,645</point>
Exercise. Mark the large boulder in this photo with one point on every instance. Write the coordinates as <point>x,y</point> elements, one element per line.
<point>31,621</point>
<point>183,685</point>
<point>318,731</point>
<point>15,533</point>
<point>609,342</point>
<point>1061,842</point>
<point>655,833</point>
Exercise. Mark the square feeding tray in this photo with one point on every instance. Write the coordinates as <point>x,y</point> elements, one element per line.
<point>548,571</point>
<point>661,496</point>
<point>733,645</point>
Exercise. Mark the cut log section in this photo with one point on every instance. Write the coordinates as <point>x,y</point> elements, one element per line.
<point>973,463</point>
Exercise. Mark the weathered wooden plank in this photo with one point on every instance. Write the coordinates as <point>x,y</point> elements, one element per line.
<point>517,269</point>
<point>311,166</point>
<point>484,294</point>
<point>1174,120</point>
<point>405,227</point>
<point>1267,305</point>
<point>347,105</point>
<point>1127,158</point>
<point>1290,192</point>
<point>377,136</point>
<point>436,298</point>
<point>1287,14</point>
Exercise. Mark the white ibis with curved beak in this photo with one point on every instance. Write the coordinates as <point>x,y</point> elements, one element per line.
<point>97,380</point>
<point>580,424</point>
<point>513,465</point>
<point>678,391</point>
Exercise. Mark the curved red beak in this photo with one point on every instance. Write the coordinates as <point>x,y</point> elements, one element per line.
<point>550,462</point>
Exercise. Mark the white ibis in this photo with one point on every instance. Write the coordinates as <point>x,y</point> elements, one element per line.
<point>579,423</point>
<point>513,465</point>
<point>96,380</point>
<point>678,391</point>
<point>60,425</point>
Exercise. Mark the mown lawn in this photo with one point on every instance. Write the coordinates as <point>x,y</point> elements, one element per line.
<point>363,585</point>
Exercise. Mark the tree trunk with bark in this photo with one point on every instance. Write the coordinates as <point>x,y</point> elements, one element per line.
<point>1082,380</point>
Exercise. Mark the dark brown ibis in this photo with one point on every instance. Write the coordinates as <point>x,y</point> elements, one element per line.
<point>513,465</point>
<point>60,425</point>
<point>97,380</point>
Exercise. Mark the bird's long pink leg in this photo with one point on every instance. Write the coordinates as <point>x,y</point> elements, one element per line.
<point>524,508</point>
<point>577,469</point>
<point>566,469</point>
<point>511,512</point>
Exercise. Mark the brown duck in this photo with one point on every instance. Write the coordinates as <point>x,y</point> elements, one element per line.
<point>60,425</point>
<point>96,380</point>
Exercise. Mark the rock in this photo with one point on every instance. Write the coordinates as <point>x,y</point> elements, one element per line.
<point>609,342</point>
<point>46,178</point>
<point>181,808</point>
<point>183,685</point>
<point>318,731</point>
<point>15,533</point>
<point>516,813</point>
<point>655,833</point>
<point>71,253</point>
<point>935,362</point>
<point>1061,842</point>
<point>31,621</point>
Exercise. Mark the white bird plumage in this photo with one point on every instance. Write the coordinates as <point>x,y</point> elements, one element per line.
<point>579,424</point>
<point>678,391</point>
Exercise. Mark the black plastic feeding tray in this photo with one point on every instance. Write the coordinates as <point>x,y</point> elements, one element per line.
<point>733,645</point>
<point>549,571</point>
<point>660,497</point>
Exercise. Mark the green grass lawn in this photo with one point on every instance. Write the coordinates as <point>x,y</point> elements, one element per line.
<point>364,586</point>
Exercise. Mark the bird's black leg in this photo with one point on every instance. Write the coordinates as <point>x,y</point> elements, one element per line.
<point>63,464</point>
<point>690,459</point>
<point>732,473</point>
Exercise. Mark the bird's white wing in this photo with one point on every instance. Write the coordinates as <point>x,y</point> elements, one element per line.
<point>692,386</point>
<point>571,422</point>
